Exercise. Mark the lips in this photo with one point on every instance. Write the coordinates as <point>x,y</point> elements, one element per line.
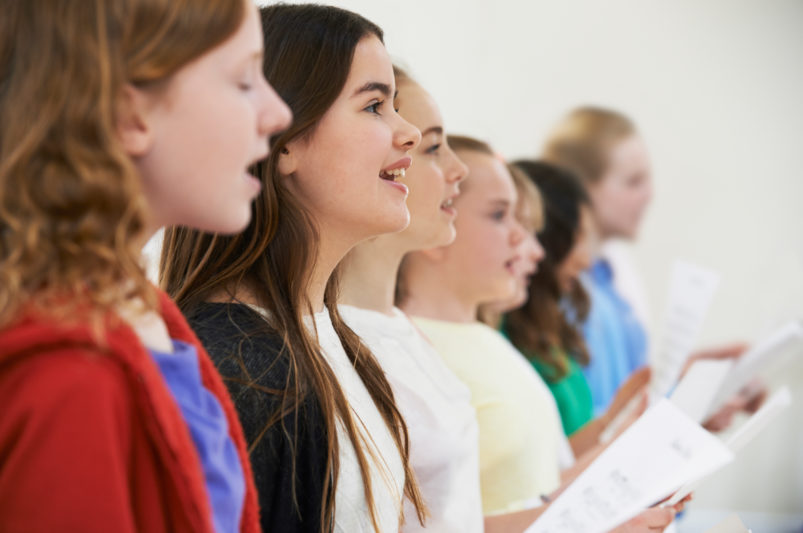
<point>396,170</point>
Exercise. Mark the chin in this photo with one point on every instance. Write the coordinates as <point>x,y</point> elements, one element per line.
<point>446,237</point>
<point>226,226</point>
<point>394,224</point>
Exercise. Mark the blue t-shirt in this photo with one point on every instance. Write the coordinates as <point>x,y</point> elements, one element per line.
<point>616,340</point>
<point>209,428</point>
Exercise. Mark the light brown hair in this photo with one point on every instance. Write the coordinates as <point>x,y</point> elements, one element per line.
<point>72,213</point>
<point>308,55</point>
<point>582,141</point>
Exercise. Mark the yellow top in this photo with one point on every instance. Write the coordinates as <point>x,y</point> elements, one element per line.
<point>520,431</point>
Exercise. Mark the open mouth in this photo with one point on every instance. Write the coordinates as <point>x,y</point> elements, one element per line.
<point>392,175</point>
<point>510,265</point>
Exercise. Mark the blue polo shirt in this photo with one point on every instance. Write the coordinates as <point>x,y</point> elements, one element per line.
<point>616,340</point>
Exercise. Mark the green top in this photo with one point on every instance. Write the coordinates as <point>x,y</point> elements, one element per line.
<point>571,392</point>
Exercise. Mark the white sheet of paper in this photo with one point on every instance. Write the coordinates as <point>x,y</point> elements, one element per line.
<point>760,419</point>
<point>731,524</point>
<point>661,451</point>
<point>746,432</point>
<point>780,346</point>
<point>691,289</point>
<point>697,390</point>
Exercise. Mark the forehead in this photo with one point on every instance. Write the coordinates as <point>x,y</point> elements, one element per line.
<point>629,154</point>
<point>371,64</point>
<point>488,178</point>
<point>417,106</point>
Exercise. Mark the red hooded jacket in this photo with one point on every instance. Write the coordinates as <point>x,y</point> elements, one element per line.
<point>91,439</point>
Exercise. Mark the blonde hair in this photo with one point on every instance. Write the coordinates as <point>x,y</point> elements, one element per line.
<point>530,206</point>
<point>72,213</point>
<point>581,142</point>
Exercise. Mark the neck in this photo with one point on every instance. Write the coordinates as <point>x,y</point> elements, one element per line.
<point>430,295</point>
<point>368,275</point>
<point>331,250</point>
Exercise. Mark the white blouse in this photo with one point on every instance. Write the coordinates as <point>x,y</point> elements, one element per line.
<point>442,424</point>
<point>387,471</point>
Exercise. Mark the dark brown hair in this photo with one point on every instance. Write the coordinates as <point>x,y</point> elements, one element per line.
<point>308,55</point>
<point>541,326</point>
<point>72,213</point>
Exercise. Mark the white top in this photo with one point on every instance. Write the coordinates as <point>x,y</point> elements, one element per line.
<point>387,471</point>
<point>520,428</point>
<point>442,424</point>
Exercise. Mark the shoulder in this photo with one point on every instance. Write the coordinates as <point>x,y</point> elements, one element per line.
<point>75,389</point>
<point>238,340</point>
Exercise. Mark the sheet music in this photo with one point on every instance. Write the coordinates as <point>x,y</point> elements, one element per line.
<point>691,290</point>
<point>657,454</point>
<point>699,387</point>
<point>780,346</point>
<point>746,432</point>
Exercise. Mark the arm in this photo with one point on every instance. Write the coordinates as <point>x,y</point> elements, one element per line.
<point>587,438</point>
<point>513,522</point>
<point>65,438</point>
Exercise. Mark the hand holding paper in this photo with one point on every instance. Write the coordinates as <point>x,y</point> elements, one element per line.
<point>660,452</point>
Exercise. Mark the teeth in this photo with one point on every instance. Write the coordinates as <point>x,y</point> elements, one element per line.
<point>395,173</point>
<point>447,203</point>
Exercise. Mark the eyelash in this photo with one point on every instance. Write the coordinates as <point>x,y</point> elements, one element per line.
<point>498,215</point>
<point>433,149</point>
<point>374,108</point>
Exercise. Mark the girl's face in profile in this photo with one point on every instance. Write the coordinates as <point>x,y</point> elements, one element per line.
<point>623,193</point>
<point>484,254</point>
<point>435,173</point>
<point>531,253</point>
<point>200,133</point>
<point>348,171</point>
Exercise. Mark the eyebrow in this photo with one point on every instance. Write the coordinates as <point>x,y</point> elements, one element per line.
<point>434,129</point>
<point>384,88</point>
<point>256,55</point>
<point>500,202</point>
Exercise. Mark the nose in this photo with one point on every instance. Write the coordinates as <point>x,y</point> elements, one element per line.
<point>517,233</point>
<point>406,136</point>
<point>538,250</point>
<point>273,113</point>
<point>457,170</point>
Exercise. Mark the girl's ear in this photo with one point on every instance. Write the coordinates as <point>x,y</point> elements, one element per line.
<point>288,163</point>
<point>133,121</point>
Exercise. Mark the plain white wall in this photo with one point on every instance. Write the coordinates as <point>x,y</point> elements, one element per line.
<point>716,88</point>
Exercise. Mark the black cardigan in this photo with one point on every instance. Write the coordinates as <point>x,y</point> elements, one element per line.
<point>245,349</point>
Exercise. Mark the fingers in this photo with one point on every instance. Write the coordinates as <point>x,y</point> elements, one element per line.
<point>678,507</point>
<point>728,351</point>
<point>658,517</point>
<point>653,519</point>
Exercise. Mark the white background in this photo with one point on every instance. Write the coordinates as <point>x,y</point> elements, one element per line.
<point>716,88</point>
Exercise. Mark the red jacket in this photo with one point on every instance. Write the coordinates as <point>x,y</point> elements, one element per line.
<point>91,439</point>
